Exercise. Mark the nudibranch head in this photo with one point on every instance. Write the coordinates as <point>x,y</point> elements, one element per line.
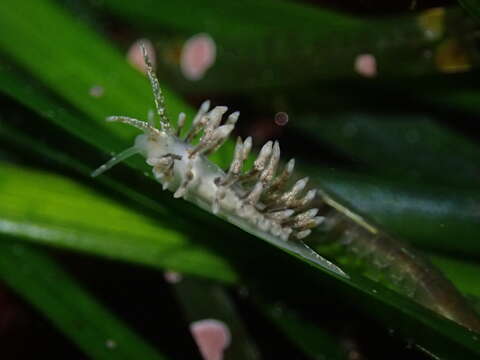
<point>153,144</point>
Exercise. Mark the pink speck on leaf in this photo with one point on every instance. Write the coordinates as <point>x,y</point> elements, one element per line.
<point>110,344</point>
<point>172,277</point>
<point>366,65</point>
<point>135,56</point>
<point>212,338</point>
<point>198,55</point>
<point>96,91</point>
<point>281,118</point>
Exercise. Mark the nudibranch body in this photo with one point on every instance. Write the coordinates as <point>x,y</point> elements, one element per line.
<point>257,200</point>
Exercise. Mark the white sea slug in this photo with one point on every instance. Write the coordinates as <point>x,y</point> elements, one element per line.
<point>255,200</point>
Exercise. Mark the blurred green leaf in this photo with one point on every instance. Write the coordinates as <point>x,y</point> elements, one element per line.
<point>472,6</point>
<point>313,340</point>
<point>405,146</point>
<point>67,215</point>
<point>52,210</point>
<point>202,300</point>
<point>244,19</point>
<point>464,274</point>
<point>255,41</point>
<point>98,333</point>
<point>66,67</point>
<point>430,216</point>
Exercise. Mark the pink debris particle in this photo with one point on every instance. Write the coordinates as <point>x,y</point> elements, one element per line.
<point>281,118</point>
<point>198,55</point>
<point>212,338</point>
<point>172,277</point>
<point>110,344</point>
<point>96,91</point>
<point>366,65</point>
<point>135,56</point>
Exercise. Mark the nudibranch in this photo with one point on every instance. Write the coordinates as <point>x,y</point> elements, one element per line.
<point>257,200</point>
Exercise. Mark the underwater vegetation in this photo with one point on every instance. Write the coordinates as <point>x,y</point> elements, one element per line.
<point>377,104</point>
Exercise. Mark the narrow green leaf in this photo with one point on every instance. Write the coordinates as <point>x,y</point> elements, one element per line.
<point>432,217</point>
<point>463,273</point>
<point>42,282</point>
<point>70,216</point>
<point>472,6</point>
<point>313,340</point>
<point>246,19</point>
<point>53,210</point>
<point>71,60</point>
<point>255,41</point>
<point>406,146</point>
<point>202,300</point>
